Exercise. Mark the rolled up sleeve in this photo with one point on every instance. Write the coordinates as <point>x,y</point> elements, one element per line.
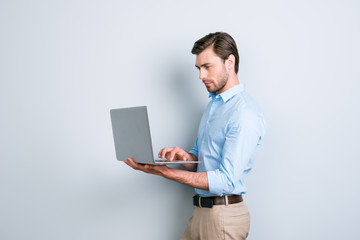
<point>240,143</point>
<point>195,149</point>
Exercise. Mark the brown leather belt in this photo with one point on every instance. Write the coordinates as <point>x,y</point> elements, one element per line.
<point>208,202</point>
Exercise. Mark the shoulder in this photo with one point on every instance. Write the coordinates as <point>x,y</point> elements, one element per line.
<point>245,112</point>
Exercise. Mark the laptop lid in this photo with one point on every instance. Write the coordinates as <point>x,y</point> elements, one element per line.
<point>132,134</point>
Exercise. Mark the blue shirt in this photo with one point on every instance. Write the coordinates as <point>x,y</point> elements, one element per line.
<point>229,136</point>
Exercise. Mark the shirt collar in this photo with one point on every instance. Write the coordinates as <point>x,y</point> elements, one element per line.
<point>225,96</point>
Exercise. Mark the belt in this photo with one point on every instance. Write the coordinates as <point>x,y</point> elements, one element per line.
<point>208,202</point>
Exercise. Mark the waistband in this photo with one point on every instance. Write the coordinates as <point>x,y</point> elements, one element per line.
<point>208,202</point>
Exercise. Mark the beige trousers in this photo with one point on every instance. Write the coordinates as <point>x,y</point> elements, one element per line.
<point>219,222</point>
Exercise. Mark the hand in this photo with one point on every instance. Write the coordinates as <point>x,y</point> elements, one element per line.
<point>152,169</point>
<point>193,179</point>
<point>175,153</point>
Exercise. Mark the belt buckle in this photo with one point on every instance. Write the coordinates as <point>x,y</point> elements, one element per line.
<point>208,202</point>
<point>211,203</point>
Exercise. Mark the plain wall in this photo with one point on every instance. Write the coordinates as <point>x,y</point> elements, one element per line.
<point>65,64</point>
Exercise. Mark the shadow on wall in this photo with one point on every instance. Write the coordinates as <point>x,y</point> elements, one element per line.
<point>190,98</point>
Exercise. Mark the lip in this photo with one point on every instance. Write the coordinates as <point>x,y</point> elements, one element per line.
<point>207,84</point>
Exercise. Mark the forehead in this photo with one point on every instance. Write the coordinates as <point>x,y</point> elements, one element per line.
<point>207,56</point>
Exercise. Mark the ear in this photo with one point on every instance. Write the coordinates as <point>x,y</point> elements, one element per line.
<point>230,62</point>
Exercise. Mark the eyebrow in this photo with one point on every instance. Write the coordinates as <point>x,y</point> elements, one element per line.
<point>203,65</point>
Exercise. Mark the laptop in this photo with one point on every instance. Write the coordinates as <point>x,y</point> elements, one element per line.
<point>132,137</point>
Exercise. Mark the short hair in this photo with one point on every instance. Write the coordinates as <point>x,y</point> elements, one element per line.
<point>223,45</point>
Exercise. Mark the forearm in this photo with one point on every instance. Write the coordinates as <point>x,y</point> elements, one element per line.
<point>193,179</point>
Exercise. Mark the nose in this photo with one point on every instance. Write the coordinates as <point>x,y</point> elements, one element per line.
<point>202,74</point>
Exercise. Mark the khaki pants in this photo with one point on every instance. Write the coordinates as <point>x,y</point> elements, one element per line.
<point>219,222</point>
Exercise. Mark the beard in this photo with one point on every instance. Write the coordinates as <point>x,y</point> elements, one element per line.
<point>219,85</point>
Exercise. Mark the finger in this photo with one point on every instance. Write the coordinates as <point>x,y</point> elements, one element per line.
<point>183,157</point>
<point>132,164</point>
<point>187,156</point>
<point>130,161</point>
<point>167,155</point>
<point>137,166</point>
<point>165,151</point>
<point>180,157</point>
<point>162,153</point>
<point>173,153</point>
<point>177,152</point>
<point>127,161</point>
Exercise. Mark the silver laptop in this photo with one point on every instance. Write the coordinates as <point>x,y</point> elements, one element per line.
<point>132,138</point>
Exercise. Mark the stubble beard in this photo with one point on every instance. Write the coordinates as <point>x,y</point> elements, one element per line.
<point>221,84</point>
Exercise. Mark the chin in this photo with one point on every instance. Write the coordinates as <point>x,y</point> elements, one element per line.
<point>210,90</point>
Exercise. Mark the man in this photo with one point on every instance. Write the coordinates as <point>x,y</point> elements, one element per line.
<point>229,135</point>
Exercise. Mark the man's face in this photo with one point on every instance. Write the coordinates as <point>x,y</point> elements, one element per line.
<point>212,69</point>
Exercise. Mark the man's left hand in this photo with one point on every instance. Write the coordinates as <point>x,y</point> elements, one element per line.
<point>152,169</point>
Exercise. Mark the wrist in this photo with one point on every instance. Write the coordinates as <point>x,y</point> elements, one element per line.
<point>193,157</point>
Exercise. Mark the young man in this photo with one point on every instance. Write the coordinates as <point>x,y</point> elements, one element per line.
<point>230,133</point>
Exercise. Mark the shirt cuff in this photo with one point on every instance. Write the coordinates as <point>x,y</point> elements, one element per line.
<point>215,183</point>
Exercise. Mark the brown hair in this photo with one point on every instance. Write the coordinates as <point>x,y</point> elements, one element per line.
<point>223,45</point>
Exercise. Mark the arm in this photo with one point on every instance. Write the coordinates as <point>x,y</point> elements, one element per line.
<point>238,152</point>
<point>193,179</point>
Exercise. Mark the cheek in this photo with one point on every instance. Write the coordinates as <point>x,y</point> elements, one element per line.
<point>218,72</point>
<point>213,71</point>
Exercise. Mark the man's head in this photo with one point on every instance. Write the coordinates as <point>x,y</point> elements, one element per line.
<point>223,45</point>
<point>217,60</point>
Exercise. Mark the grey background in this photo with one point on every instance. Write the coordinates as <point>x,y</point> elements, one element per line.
<point>64,64</point>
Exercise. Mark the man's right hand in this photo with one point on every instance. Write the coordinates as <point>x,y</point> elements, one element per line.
<point>176,153</point>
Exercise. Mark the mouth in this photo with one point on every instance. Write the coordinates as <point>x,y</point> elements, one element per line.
<point>207,84</point>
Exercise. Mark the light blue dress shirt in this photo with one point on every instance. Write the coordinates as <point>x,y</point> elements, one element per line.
<point>229,136</point>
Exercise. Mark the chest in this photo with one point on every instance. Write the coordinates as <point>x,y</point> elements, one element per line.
<point>214,123</point>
